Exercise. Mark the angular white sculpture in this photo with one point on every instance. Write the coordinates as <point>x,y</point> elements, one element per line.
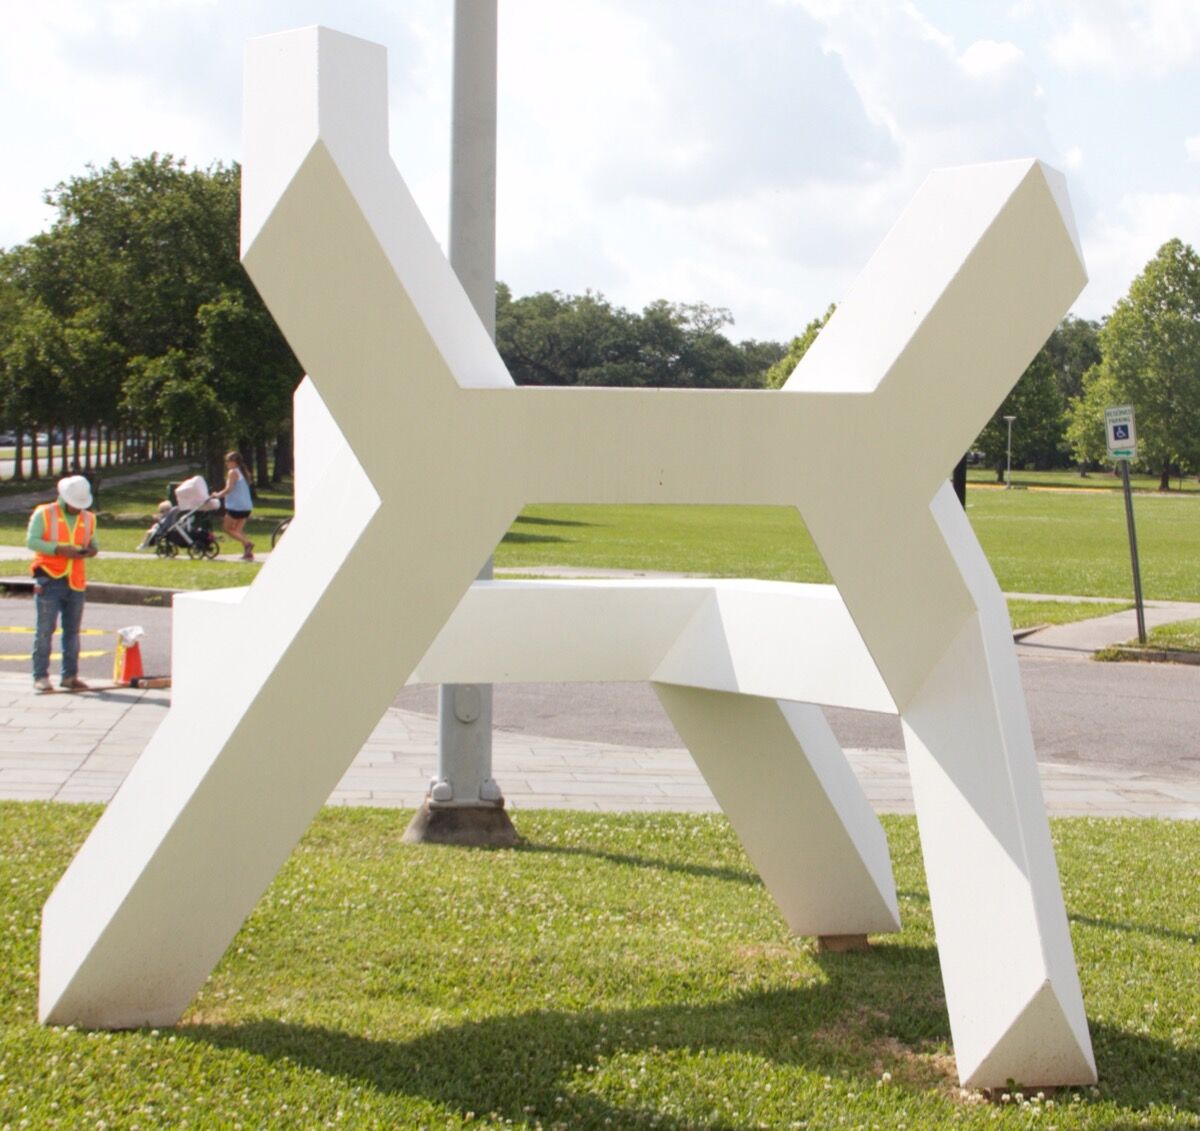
<point>277,686</point>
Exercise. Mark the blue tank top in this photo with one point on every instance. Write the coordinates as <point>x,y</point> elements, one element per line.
<point>238,498</point>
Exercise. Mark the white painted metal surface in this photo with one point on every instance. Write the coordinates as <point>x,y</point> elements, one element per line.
<point>282,682</point>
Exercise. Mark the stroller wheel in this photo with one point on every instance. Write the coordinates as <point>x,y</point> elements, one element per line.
<point>165,549</point>
<point>195,551</point>
<point>212,550</point>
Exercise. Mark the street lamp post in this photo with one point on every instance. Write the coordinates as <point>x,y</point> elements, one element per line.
<point>465,804</point>
<point>1008,468</point>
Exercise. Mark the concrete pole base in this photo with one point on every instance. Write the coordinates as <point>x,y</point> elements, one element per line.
<point>842,944</point>
<point>472,826</point>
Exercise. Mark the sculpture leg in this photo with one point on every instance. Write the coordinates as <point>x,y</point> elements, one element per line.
<point>784,783</point>
<point>1013,994</point>
<point>273,702</point>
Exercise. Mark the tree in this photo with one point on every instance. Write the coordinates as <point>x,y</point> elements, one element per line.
<point>1150,359</point>
<point>245,359</point>
<point>1038,429</point>
<point>555,339</point>
<point>781,370</point>
<point>37,362</point>
<point>1072,349</point>
<point>1085,417</point>
<point>160,324</point>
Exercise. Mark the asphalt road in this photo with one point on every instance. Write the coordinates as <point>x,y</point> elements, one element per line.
<point>1135,715</point>
<point>98,642</point>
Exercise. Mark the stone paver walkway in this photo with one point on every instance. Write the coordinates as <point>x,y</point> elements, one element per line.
<point>80,747</point>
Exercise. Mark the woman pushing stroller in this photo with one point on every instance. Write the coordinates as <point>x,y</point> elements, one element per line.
<point>238,501</point>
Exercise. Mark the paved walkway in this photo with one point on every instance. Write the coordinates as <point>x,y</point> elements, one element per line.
<point>26,501</point>
<point>23,503</point>
<point>80,747</point>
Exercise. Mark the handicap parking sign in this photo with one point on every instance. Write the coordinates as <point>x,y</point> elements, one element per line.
<point>1119,429</point>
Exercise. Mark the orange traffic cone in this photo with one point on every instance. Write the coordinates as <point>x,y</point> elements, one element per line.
<point>127,664</point>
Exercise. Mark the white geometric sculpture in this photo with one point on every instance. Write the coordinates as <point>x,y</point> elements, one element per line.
<point>278,686</point>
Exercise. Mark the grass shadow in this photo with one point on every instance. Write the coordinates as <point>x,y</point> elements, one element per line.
<point>517,537</point>
<point>528,1067</point>
<point>1133,928</point>
<point>880,1009</point>
<point>541,520</point>
<point>706,871</point>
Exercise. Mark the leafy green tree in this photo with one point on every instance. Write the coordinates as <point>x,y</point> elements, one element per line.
<point>246,361</point>
<point>162,326</point>
<point>554,339</point>
<point>782,369</point>
<point>1037,431</point>
<point>1072,349</point>
<point>1085,417</point>
<point>1150,358</point>
<point>35,358</point>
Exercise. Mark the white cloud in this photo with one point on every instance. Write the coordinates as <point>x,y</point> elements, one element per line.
<point>749,155</point>
<point>1191,146</point>
<point>682,149</point>
<point>1117,248</point>
<point>989,57</point>
<point>1124,36</point>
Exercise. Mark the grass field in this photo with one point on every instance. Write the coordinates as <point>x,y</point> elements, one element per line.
<point>125,513</point>
<point>1179,636</point>
<point>1106,479</point>
<point>1038,541</point>
<point>617,971</point>
<point>1182,636</point>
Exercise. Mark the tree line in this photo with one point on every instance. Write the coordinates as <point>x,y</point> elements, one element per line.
<point>131,320</point>
<point>128,329</point>
<point>1146,353</point>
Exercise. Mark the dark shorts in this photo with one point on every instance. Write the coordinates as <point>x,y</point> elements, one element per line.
<point>238,514</point>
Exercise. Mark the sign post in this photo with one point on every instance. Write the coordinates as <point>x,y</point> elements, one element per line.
<point>1121,435</point>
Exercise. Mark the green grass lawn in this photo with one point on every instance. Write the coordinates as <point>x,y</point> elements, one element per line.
<point>176,573</point>
<point>1048,542</point>
<point>1067,542</point>
<point>127,510</point>
<point>765,542</point>
<point>1037,541</point>
<point>1026,614</point>
<point>1182,636</point>
<point>617,971</point>
<point>1106,479</point>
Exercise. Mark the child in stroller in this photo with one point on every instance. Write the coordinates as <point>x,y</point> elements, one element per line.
<point>182,525</point>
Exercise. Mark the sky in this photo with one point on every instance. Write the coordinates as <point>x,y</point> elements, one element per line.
<point>749,154</point>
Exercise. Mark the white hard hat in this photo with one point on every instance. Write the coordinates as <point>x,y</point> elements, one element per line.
<point>75,491</point>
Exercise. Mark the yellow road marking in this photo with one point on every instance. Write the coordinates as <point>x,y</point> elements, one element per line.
<point>54,655</point>
<point>82,631</point>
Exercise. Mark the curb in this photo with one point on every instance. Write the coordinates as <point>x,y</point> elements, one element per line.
<point>102,592</point>
<point>1151,655</point>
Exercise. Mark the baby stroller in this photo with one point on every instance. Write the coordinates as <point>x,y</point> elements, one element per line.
<point>183,526</point>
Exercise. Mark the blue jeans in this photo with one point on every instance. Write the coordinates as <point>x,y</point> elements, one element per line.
<point>54,599</point>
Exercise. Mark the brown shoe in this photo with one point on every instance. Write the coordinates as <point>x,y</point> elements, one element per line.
<point>74,684</point>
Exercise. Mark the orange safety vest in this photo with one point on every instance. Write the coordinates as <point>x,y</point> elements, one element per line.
<point>58,531</point>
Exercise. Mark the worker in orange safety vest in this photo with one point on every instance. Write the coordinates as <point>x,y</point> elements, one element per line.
<point>62,537</point>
